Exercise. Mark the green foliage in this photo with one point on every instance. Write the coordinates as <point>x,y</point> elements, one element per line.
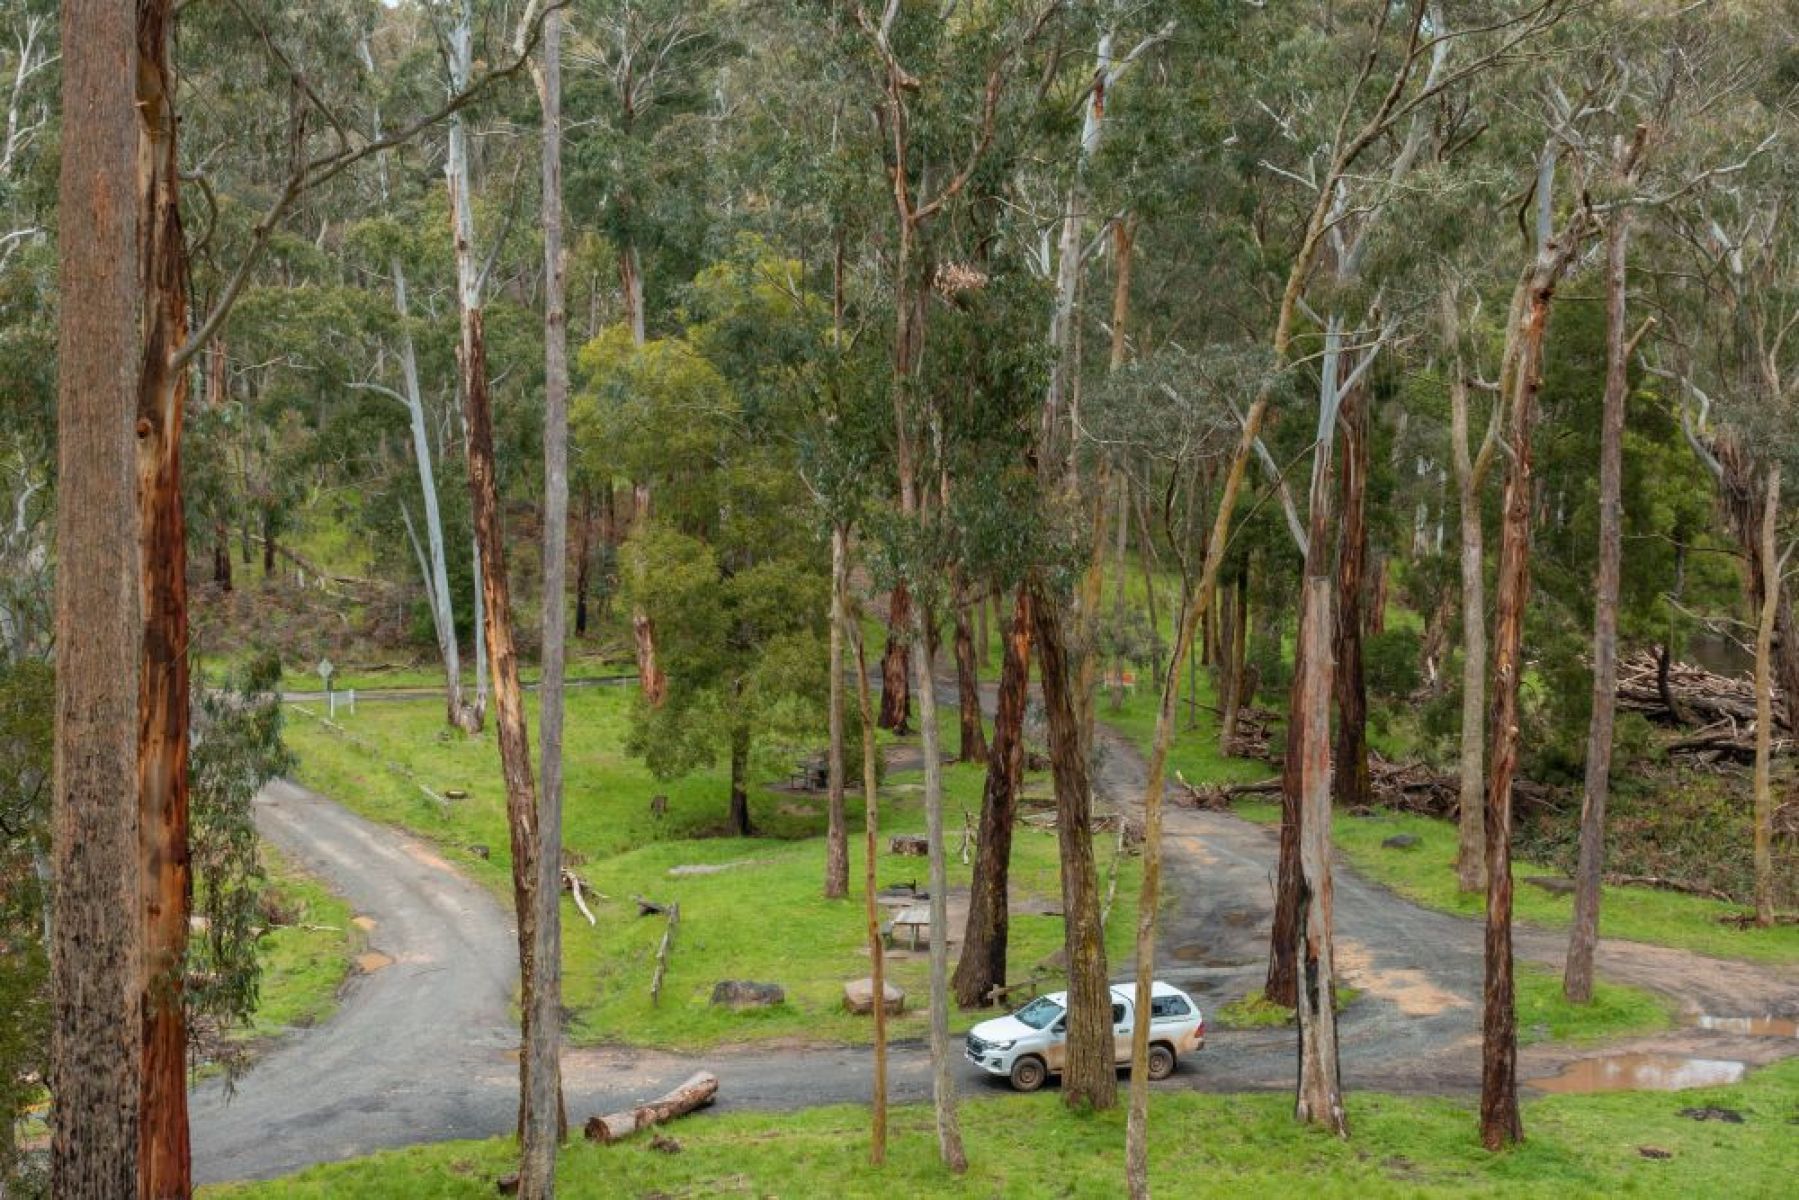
<point>26,707</point>
<point>237,750</point>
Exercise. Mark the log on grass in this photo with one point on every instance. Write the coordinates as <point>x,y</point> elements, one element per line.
<point>697,1092</point>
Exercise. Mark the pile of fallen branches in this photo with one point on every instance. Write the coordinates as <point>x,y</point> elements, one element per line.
<point>1252,739</point>
<point>1681,693</point>
<point>1413,787</point>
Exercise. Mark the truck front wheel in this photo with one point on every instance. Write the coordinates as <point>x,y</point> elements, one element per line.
<point>1028,1074</point>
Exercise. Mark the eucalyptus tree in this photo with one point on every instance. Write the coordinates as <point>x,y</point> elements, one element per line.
<point>97,958</point>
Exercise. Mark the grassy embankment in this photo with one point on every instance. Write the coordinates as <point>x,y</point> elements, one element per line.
<point>1029,1146</point>
<point>306,958</point>
<point>762,919</point>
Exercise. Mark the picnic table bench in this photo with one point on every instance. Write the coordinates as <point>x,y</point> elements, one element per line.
<point>909,921</point>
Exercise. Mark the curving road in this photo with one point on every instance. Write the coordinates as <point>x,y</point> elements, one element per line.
<point>423,1049</point>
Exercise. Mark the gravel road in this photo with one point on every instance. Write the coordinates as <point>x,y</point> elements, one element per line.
<point>423,1050</point>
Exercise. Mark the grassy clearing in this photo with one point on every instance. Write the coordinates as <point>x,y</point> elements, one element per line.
<point>1425,873</point>
<point>762,919</point>
<point>303,962</point>
<point>1029,1146</point>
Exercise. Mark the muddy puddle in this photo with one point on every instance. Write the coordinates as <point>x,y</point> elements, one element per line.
<point>1202,955</point>
<point>373,961</point>
<point>1641,1073</point>
<point>1770,1027</point>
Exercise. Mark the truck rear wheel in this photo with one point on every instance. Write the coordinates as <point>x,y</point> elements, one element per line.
<point>1028,1074</point>
<point>1161,1061</point>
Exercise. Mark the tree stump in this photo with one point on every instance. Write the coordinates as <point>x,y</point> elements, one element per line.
<point>911,844</point>
<point>741,993</point>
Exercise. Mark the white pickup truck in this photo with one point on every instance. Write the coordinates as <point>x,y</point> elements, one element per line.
<point>1030,1045</point>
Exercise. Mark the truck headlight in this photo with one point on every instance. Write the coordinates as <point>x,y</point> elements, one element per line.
<point>1002,1046</point>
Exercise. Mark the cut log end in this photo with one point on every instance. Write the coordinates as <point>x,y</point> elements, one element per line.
<point>699,1091</point>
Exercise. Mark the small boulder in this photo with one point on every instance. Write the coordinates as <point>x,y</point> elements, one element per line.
<point>1401,841</point>
<point>741,993</point>
<point>480,851</point>
<point>859,997</point>
<point>909,843</point>
<point>1654,1152</point>
<point>1555,885</point>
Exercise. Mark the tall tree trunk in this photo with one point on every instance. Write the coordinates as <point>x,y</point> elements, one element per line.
<point>650,679</point>
<point>1583,938</point>
<point>1118,609</point>
<point>545,1124</point>
<point>1320,1092</point>
<point>943,1084</point>
<point>740,780</point>
<point>896,691</point>
<point>1471,865</point>
<point>877,960</point>
<point>972,743</point>
<point>1236,677</point>
<point>1136,1137</point>
<point>837,855</point>
<point>1499,1117</point>
<point>583,561</point>
<point>1089,1077</point>
<point>164,1161</point>
<point>1742,499</point>
<point>1764,703</point>
<point>494,591</point>
<point>437,582</point>
<point>1283,982</point>
<point>1350,786</point>
<point>97,948</point>
<point>630,281</point>
<point>983,651</point>
<point>982,966</point>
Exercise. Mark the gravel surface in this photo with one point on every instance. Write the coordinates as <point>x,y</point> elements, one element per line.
<point>424,1049</point>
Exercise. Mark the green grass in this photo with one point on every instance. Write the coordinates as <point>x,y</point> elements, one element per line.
<point>1201,1145</point>
<point>763,920</point>
<point>1256,1011</point>
<point>1617,1010</point>
<point>303,963</point>
<point>1425,873</point>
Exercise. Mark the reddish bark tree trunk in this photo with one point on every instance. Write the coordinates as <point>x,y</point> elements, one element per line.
<point>1500,1122</point>
<point>972,746</point>
<point>164,1162</point>
<point>896,688</point>
<point>1350,786</point>
<point>96,949</point>
<point>983,962</point>
<point>1282,982</point>
<point>508,698</point>
<point>1089,1076</point>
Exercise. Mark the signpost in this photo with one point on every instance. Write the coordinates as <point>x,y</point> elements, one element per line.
<point>326,670</point>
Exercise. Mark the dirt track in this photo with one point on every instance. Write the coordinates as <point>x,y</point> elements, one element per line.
<point>421,1050</point>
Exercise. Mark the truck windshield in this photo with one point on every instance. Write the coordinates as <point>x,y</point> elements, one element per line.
<point>1039,1013</point>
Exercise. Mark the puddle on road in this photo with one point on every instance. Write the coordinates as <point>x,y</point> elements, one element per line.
<point>1201,955</point>
<point>1641,1073</point>
<point>1774,1027</point>
<point>373,961</point>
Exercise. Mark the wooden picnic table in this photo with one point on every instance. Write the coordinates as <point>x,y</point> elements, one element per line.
<point>910,920</point>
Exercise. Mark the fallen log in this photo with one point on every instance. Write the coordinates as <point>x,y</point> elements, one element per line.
<point>697,1092</point>
<point>1667,885</point>
<point>572,881</point>
<point>646,908</point>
